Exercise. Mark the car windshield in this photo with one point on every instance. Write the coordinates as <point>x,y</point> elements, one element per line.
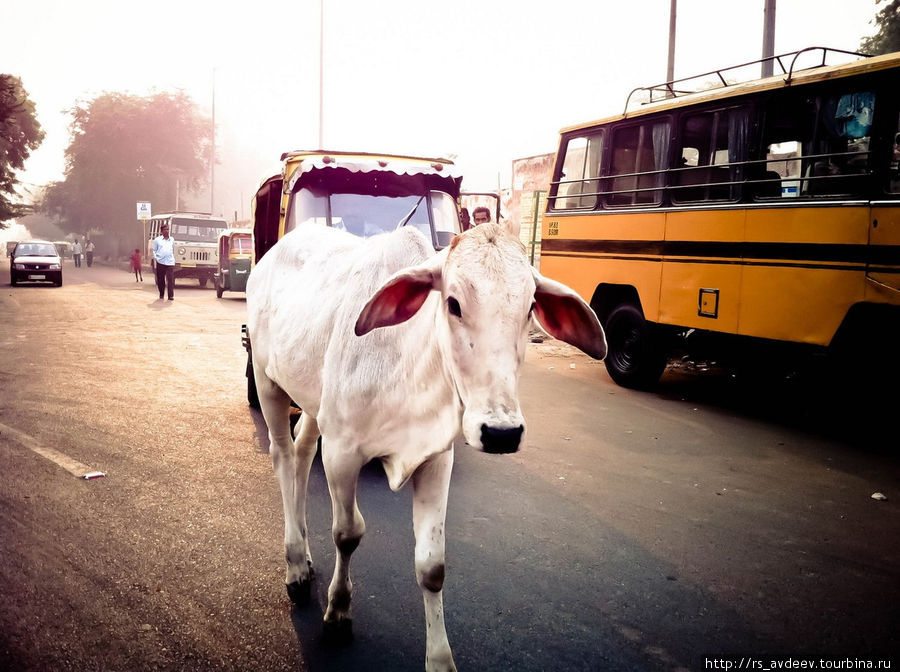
<point>365,215</point>
<point>36,250</point>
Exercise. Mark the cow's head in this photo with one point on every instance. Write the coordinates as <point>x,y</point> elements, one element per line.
<point>488,295</point>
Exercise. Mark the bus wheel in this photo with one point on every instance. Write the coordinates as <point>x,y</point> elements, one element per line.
<point>252,396</point>
<point>635,358</point>
<point>219,290</point>
<point>203,281</point>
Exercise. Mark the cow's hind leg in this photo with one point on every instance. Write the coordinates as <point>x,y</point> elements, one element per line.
<point>431,484</point>
<point>296,548</point>
<point>342,469</point>
<point>291,459</point>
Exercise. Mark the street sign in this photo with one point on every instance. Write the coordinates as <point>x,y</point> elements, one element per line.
<point>143,210</point>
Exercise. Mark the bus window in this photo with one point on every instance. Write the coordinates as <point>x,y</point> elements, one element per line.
<point>639,158</point>
<point>782,179</point>
<point>577,182</point>
<point>713,148</point>
<point>831,134</point>
<point>894,168</point>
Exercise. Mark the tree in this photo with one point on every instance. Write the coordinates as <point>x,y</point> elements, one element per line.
<point>887,39</point>
<point>20,134</point>
<point>125,149</point>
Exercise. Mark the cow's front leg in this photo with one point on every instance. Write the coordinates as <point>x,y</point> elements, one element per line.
<point>342,470</point>
<point>431,484</point>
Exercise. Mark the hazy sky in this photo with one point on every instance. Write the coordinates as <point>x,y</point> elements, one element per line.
<point>484,80</point>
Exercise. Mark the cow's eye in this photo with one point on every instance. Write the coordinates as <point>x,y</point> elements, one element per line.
<point>453,307</point>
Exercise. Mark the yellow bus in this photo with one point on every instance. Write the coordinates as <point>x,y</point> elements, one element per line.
<point>743,214</point>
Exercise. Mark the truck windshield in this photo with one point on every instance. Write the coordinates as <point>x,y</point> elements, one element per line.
<point>365,215</point>
<point>197,231</point>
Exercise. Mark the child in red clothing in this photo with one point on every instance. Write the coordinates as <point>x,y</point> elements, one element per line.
<point>136,265</point>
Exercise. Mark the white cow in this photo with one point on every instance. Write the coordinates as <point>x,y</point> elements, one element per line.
<point>449,361</point>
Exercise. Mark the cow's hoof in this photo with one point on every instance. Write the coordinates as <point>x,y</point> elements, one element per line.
<point>299,592</point>
<point>339,632</point>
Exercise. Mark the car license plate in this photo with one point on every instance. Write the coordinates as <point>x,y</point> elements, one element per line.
<point>34,276</point>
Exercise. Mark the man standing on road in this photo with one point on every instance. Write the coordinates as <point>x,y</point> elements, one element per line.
<point>76,253</point>
<point>164,255</point>
<point>89,253</point>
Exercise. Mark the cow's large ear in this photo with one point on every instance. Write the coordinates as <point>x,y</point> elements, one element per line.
<point>566,316</point>
<point>400,297</point>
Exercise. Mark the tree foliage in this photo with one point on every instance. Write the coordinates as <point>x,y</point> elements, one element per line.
<point>887,39</point>
<point>124,149</point>
<point>20,134</point>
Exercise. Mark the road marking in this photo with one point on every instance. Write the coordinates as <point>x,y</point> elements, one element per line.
<point>74,467</point>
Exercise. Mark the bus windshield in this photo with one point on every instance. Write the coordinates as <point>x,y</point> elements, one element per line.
<point>197,231</point>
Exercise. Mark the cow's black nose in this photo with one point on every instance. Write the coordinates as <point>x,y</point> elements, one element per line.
<point>501,439</point>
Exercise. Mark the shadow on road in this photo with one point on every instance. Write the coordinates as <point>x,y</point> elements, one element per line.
<point>815,396</point>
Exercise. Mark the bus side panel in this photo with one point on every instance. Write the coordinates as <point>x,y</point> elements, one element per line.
<point>837,225</point>
<point>802,291</point>
<point>884,237</point>
<point>610,226</point>
<point>584,273</point>
<point>701,285</point>
<point>584,251</point>
<point>797,304</point>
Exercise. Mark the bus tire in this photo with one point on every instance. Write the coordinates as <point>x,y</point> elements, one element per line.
<point>635,358</point>
<point>252,395</point>
<point>219,291</point>
<point>203,281</point>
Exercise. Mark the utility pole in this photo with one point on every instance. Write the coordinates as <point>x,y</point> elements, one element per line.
<point>670,65</point>
<point>212,161</point>
<point>321,67</point>
<point>768,47</point>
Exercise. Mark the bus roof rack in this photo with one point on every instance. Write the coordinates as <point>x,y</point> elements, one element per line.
<point>667,90</point>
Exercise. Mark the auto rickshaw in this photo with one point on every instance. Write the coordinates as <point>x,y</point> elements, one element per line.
<point>235,253</point>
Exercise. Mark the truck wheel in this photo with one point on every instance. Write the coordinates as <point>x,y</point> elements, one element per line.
<point>203,281</point>
<point>635,358</point>
<point>219,288</point>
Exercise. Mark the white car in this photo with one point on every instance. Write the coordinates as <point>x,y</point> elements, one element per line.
<point>35,261</point>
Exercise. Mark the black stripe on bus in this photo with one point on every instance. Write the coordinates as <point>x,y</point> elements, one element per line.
<point>730,262</point>
<point>736,252</point>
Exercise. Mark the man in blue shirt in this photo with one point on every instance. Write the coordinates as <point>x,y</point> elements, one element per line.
<point>164,255</point>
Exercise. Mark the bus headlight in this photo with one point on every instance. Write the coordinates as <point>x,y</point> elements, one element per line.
<point>181,251</point>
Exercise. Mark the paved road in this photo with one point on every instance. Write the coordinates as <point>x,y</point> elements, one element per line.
<point>677,530</point>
